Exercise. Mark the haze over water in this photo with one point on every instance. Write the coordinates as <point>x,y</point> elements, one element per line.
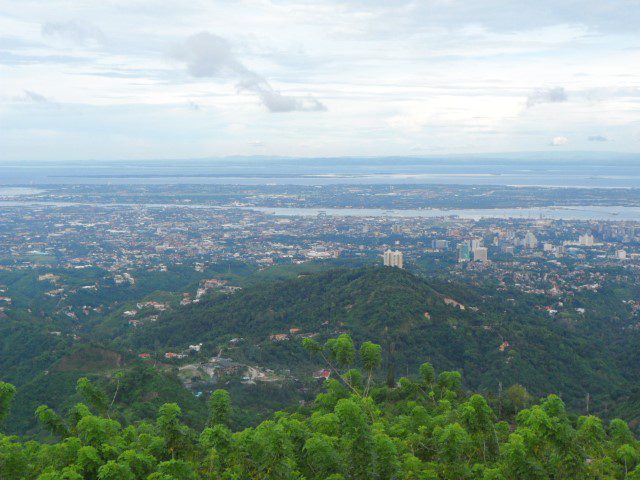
<point>499,170</point>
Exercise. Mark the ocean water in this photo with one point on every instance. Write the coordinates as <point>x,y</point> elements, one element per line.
<point>611,213</point>
<point>615,171</point>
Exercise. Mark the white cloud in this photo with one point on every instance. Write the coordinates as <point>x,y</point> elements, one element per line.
<point>34,97</point>
<point>73,30</point>
<point>549,95</point>
<point>208,55</point>
<point>559,141</point>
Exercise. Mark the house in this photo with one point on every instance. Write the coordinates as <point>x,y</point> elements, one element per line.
<point>293,331</point>
<point>174,355</point>
<point>161,307</point>
<point>279,337</point>
<point>144,355</point>
<point>503,346</point>
<point>453,303</point>
<point>322,374</point>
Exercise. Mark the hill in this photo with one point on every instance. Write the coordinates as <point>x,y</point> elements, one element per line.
<point>495,340</point>
<point>427,427</point>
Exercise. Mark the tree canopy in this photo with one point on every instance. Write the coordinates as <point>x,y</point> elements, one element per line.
<point>425,427</point>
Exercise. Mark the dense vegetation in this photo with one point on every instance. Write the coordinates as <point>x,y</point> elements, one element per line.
<point>590,359</point>
<point>425,427</point>
<point>408,316</point>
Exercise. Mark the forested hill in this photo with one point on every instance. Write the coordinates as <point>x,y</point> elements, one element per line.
<point>492,339</point>
<point>425,428</point>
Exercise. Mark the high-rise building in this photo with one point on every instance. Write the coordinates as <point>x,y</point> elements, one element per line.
<point>586,240</point>
<point>476,243</point>
<point>464,252</point>
<point>480,254</point>
<point>621,254</point>
<point>393,259</point>
<point>440,244</point>
<point>530,240</point>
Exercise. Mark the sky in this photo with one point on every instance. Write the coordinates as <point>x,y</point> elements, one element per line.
<point>162,79</point>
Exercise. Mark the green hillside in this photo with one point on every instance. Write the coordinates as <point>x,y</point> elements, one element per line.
<point>424,428</point>
<point>494,340</point>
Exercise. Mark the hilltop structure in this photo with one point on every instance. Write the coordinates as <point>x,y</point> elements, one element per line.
<point>393,259</point>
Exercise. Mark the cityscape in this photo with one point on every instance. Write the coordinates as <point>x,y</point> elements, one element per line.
<point>547,257</point>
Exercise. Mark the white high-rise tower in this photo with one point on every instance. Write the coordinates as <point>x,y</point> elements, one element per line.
<point>393,259</point>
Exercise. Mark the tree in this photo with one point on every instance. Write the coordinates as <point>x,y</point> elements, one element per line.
<point>174,469</point>
<point>518,397</point>
<point>427,374</point>
<point>386,457</point>
<point>219,408</point>
<point>371,357</point>
<point>176,435</point>
<point>453,442</point>
<point>52,421</point>
<point>619,432</point>
<point>93,395</point>
<point>478,418</point>
<point>7,391</point>
<point>114,471</point>
<point>516,462</point>
<point>342,350</point>
<point>449,383</point>
<point>628,457</point>
<point>356,441</point>
<point>321,456</point>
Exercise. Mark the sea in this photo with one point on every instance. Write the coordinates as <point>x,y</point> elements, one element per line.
<point>570,170</point>
<point>521,170</point>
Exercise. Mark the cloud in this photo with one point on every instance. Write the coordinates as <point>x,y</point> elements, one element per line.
<point>558,141</point>
<point>30,96</point>
<point>191,105</point>
<point>549,95</point>
<point>597,138</point>
<point>74,31</point>
<point>277,102</point>
<point>209,56</point>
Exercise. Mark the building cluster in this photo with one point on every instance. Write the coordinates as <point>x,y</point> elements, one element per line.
<point>536,254</point>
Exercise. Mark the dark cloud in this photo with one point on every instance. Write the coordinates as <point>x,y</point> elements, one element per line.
<point>597,138</point>
<point>209,56</point>
<point>549,95</point>
<point>75,31</point>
